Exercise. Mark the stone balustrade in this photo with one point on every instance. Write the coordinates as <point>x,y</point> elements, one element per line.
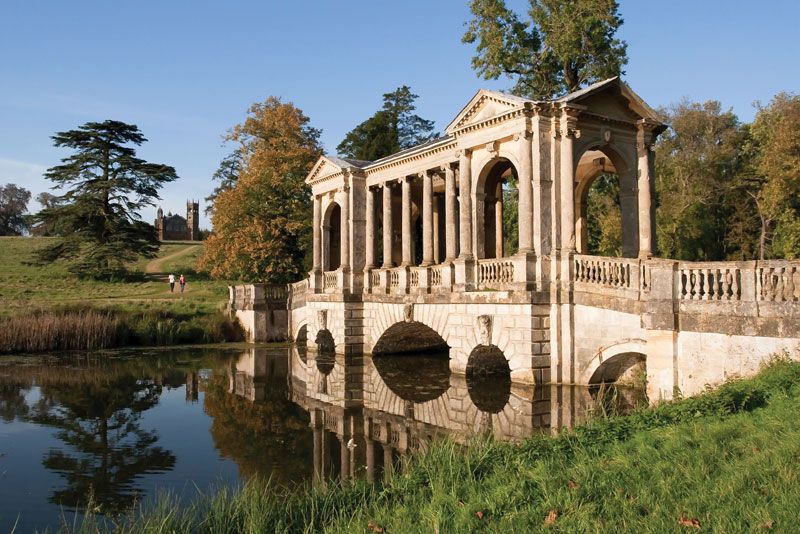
<point>495,273</point>
<point>330,281</point>
<point>709,281</point>
<point>607,272</point>
<point>778,281</point>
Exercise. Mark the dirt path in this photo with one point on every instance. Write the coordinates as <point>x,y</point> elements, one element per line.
<point>154,267</point>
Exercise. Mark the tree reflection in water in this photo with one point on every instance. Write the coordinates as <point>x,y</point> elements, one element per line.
<point>270,437</point>
<point>100,421</point>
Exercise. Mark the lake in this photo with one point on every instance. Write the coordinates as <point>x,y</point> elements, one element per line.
<point>117,428</point>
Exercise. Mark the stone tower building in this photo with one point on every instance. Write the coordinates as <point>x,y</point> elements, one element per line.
<point>176,228</point>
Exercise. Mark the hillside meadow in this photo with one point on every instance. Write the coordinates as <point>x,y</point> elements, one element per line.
<point>138,310</point>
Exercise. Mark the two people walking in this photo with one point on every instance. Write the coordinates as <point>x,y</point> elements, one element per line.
<point>181,282</point>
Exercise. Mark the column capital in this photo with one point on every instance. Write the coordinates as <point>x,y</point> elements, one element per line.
<point>451,165</point>
<point>523,134</point>
<point>464,152</point>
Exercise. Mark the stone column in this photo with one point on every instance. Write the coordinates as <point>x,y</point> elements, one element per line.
<point>450,212</point>
<point>344,458</point>
<point>317,222</point>
<point>643,141</point>
<point>345,230</point>
<point>370,227</point>
<point>387,226</point>
<point>525,180</point>
<point>437,238</point>
<point>465,190</point>
<point>427,218</point>
<point>406,228</point>
<point>318,473</point>
<point>568,134</point>
<point>388,468</point>
<point>498,222</point>
<point>370,445</point>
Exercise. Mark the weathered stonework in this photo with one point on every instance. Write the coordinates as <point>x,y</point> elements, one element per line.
<point>557,314</point>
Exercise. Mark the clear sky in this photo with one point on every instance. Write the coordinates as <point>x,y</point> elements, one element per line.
<point>186,71</point>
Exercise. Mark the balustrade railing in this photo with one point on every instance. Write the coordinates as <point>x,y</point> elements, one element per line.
<point>495,272</point>
<point>394,278</point>
<point>375,278</point>
<point>709,281</point>
<point>607,272</point>
<point>329,280</point>
<point>436,276</point>
<point>413,277</point>
<point>276,292</point>
<point>778,281</point>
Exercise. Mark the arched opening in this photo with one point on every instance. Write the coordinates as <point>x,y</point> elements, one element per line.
<point>628,368</point>
<point>606,205</point>
<point>332,230</point>
<point>488,378</point>
<point>497,210</point>
<point>302,336</point>
<point>619,384</point>
<point>413,361</point>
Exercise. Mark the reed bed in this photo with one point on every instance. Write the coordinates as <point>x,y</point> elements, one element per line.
<point>90,329</point>
<point>86,329</point>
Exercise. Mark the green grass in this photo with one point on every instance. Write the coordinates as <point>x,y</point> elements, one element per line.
<point>25,287</point>
<point>727,459</point>
<point>142,309</point>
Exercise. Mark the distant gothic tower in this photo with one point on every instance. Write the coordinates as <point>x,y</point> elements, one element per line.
<point>193,220</point>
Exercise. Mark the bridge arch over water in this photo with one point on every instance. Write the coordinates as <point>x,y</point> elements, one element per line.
<point>551,309</point>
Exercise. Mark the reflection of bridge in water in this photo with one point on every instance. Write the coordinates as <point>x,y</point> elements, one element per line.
<point>415,249</point>
<point>367,415</point>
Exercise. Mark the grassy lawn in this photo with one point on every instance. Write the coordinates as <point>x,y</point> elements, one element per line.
<point>24,286</point>
<point>725,461</point>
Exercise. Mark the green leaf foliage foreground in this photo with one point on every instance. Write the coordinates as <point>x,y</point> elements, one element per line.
<point>724,461</point>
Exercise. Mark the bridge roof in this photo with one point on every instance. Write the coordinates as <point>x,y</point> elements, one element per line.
<point>487,107</point>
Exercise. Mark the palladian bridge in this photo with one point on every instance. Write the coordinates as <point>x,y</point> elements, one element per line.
<point>412,252</point>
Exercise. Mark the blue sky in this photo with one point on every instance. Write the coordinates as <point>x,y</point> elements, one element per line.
<point>186,71</point>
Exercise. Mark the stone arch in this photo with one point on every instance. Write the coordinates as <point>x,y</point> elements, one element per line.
<point>407,337</point>
<point>496,173</point>
<point>384,315</point>
<point>611,362</point>
<point>596,158</point>
<point>300,334</point>
<point>488,377</point>
<point>332,236</point>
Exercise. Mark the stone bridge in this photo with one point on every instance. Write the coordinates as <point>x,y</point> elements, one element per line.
<point>415,252</point>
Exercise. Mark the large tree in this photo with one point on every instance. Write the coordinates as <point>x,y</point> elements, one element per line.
<point>13,205</point>
<point>773,184</point>
<point>106,186</point>
<point>698,161</point>
<point>226,176</point>
<point>392,128</point>
<point>262,224</point>
<point>565,45</point>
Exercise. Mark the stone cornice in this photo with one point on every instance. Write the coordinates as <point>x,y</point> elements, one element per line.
<point>408,158</point>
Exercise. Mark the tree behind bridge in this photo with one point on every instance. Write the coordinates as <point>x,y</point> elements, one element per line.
<point>262,223</point>
<point>392,128</point>
<point>564,46</point>
<point>106,186</point>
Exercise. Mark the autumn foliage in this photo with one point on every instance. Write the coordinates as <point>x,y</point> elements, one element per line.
<point>262,223</point>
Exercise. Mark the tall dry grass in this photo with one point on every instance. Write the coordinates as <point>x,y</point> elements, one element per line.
<point>93,329</point>
<point>87,329</point>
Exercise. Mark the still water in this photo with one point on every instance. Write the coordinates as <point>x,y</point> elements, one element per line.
<point>121,427</point>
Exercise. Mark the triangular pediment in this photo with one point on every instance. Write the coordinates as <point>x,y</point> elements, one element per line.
<point>484,106</point>
<point>323,168</point>
<point>613,98</point>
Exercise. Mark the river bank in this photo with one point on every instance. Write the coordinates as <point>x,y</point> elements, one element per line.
<point>724,461</point>
<point>44,307</point>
